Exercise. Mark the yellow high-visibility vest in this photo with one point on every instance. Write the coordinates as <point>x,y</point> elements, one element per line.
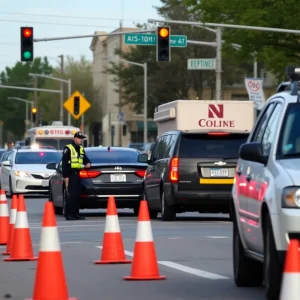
<point>76,161</point>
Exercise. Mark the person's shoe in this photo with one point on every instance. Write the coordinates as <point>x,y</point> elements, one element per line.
<point>78,217</point>
<point>71,218</point>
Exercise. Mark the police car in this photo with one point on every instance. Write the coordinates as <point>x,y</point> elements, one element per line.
<point>266,192</point>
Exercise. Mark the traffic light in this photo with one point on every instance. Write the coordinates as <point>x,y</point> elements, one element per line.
<point>33,112</point>
<point>76,106</point>
<point>26,43</point>
<point>163,51</point>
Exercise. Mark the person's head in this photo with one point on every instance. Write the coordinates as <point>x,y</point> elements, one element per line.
<point>78,137</point>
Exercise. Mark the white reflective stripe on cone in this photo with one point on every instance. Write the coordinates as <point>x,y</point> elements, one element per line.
<point>290,288</point>
<point>21,220</point>
<point>2,197</point>
<point>13,215</point>
<point>49,240</point>
<point>144,232</point>
<point>112,224</point>
<point>4,210</point>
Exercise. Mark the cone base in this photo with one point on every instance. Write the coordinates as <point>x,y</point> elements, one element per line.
<point>103,262</point>
<point>20,259</point>
<point>64,299</point>
<point>144,278</point>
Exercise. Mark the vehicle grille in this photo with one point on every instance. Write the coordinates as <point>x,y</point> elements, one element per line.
<point>37,176</point>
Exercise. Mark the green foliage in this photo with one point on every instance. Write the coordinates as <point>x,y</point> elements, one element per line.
<point>170,81</point>
<point>276,50</point>
<point>12,112</point>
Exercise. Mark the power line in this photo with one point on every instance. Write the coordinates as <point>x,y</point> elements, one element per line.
<point>69,17</point>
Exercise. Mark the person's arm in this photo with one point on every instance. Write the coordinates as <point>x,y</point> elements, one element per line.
<point>66,166</point>
<point>86,161</point>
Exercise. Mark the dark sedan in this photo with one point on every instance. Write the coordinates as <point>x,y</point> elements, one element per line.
<point>115,171</point>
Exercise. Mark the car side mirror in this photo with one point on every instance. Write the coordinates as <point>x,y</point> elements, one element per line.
<point>253,152</point>
<point>6,163</point>
<point>51,166</point>
<point>143,158</point>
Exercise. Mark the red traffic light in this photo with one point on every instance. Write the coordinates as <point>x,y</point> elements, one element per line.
<point>27,32</point>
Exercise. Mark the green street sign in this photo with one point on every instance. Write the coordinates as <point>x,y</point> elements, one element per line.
<point>145,39</point>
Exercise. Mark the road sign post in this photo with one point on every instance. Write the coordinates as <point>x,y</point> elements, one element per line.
<point>76,105</point>
<point>150,40</point>
<point>202,64</point>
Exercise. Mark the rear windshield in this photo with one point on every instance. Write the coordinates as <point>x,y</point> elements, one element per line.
<point>113,156</point>
<point>204,145</point>
<point>39,157</point>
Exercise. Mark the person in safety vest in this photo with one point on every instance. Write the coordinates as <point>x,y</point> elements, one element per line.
<point>74,159</point>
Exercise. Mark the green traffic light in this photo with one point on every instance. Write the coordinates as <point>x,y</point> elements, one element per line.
<point>27,54</point>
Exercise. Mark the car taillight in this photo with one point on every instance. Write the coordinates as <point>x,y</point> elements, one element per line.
<point>89,174</point>
<point>218,133</point>
<point>174,176</point>
<point>140,173</point>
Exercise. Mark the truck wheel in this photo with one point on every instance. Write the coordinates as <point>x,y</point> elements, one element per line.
<point>167,212</point>
<point>247,272</point>
<point>272,266</point>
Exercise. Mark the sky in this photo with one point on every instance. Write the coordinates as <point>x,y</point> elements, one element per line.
<point>57,18</point>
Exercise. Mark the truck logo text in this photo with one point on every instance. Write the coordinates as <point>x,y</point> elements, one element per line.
<point>215,111</point>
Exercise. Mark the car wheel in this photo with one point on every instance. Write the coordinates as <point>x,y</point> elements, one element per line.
<point>272,266</point>
<point>153,214</point>
<point>247,272</point>
<point>167,213</point>
<point>64,202</point>
<point>11,192</point>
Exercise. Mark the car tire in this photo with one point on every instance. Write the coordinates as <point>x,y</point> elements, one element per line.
<point>167,212</point>
<point>58,210</point>
<point>11,192</point>
<point>247,272</point>
<point>64,202</point>
<point>152,213</point>
<point>272,266</point>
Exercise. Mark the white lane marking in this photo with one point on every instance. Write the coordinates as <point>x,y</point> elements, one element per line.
<point>218,237</point>
<point>82,225</point>
<point>182,268</point>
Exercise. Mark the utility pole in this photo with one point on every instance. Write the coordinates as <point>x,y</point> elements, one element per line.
<point>61,111</point>
<point>35,95</point>
<point>219,64</point>
<point>120,96</point>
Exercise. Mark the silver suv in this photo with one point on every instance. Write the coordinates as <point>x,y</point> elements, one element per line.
<point>266,192</point>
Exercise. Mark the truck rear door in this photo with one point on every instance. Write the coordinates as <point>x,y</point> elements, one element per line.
<point>208,160</point>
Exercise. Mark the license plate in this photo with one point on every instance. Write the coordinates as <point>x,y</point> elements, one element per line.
<point>118,178</point>
<point>45,183</point>
<point>219,172</point>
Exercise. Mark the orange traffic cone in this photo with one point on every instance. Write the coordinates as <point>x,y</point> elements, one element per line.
<point>21,246</point>
<point>144,264</point>
<point>13,214</point>
<point>112,248</point>
<point>290,288</point>
<point>4,218</point>
<point>50,280</point>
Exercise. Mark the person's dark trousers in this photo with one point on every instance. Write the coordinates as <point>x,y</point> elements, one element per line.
<point>73,198</point>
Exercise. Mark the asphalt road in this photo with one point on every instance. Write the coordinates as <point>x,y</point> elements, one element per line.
<point>194,253</point>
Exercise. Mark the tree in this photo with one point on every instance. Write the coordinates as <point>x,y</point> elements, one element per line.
<point>276,50</point>
<point>13,112</point>
<point>169,81</point>
<point>80,73</point>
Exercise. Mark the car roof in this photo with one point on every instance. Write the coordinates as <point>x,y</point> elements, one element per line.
<point>35,150</point>
<point>104,149</point>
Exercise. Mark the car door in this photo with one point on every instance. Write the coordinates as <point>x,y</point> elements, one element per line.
<point>56,185</point>
<point>247,179</point>
<point>260,178</point>
<point>5,171</point>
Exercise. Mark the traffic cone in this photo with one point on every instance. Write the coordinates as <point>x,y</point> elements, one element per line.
<point>144,264</point>
<point>50,280</point>
<point>13,214</point>
<point>112,248</point>
<point>4,218</point>
<point>290,288</point>
<point>21,246</point>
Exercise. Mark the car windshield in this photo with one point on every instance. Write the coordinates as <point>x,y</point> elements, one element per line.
<point>112,156</point>
<point>216,146</point>
<point>289,142</point>
<point>1,153</point>
<point>38,157</point>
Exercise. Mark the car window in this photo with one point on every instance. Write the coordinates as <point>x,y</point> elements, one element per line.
<point>214,146</point>
<point>160,148</point>
<point>271,129</point>
<point>112,156</point>
<point>38,157</point>
<point>289,141</point>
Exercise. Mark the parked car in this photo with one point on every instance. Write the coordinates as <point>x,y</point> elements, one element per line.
<point>24,170</point>
<point>266,194</point>
<point>115,171</point>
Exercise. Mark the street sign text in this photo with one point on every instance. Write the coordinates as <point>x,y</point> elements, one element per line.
<point>201,64</point>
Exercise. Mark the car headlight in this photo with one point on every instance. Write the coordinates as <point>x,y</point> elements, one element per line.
<point>21,174</point>
<point>291,197</point>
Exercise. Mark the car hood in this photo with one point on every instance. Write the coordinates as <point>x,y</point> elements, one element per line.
<point>33,169</point>
<point>292,167</point>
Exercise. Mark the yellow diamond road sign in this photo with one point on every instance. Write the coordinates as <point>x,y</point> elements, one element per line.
<point>84,105</point>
